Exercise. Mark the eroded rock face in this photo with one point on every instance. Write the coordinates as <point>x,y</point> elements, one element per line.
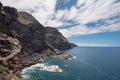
<point>31,35</point>
<point>56,39</point>
<point>7,15</point>
<point>22,32</point>
<point>25,29</point>
<point>10,49</point>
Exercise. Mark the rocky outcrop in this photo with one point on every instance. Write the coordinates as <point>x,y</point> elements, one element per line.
<point>31,35</point>
<point>24,41</point>
<point>9,56</point>
<point>7,15</point>
<point>56,39</point>
<point>23,29</point>
<point>63,56</point>
<point>9,46</point>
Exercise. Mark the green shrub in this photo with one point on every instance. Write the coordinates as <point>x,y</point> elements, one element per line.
<point>3,70</point>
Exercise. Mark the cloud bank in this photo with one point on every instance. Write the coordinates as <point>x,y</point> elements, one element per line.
<point>83,18</point>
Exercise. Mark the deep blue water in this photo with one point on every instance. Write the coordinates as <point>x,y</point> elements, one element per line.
<point>92,63</point>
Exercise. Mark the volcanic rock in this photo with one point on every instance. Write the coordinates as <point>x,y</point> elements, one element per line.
<point>57,40</point>
<point>24,41</point>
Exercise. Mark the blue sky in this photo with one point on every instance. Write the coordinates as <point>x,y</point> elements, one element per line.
<point>84,22</point>
<point>105,39</point>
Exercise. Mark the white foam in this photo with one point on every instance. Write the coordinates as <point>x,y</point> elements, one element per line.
<point>43,67</point>
<point>50,68</point>
<point>74,57</point>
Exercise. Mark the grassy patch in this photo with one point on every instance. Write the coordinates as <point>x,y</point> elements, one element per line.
<point>3,69</point>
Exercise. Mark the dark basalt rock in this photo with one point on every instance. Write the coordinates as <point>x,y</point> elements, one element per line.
<point>29,32</point>
<point>7,15</point>
<point>57,40</point>
<point>31,35</point>
<point>36,41</point>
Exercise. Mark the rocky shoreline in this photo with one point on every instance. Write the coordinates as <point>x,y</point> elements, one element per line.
<point>63,56</point>
<point>24,42</point>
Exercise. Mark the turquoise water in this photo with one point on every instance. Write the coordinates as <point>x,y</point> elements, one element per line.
<point>101,63</point>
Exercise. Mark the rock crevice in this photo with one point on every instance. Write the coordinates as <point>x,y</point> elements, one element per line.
<point>5,44</point>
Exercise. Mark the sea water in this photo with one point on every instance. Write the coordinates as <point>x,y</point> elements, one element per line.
<point>91,63</point>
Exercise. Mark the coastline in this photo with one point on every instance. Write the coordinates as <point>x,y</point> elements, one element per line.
<point>35,42</point>
<point>45,67</point>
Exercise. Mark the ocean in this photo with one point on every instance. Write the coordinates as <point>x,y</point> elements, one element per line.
<point>91,63</point>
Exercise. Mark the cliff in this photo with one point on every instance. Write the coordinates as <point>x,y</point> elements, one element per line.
<point>24,41</point>
<point>56,39</point>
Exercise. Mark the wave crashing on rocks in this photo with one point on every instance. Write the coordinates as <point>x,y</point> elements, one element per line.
<point>42,67</point>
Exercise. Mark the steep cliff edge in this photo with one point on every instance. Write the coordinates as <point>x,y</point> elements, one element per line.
<point>24,41</point>
<point>56,39</point>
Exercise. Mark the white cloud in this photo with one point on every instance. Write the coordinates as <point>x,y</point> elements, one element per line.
<point>54,23</point>
<point>42,10</point>
<point>84,30</point>
<point>22,4</point>
<point>72,14</point>
<point>87,11</point>
<point>61,14</point>
<point>82,13</point>
<point>94,10</point>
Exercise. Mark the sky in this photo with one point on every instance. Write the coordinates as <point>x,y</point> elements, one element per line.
<point>84,22</point>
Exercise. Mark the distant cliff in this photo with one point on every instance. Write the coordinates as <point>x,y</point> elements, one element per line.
<point>24,41</point>
<point>56,39</point>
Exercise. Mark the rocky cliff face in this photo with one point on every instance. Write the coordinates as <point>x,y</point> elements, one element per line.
<point>56,39</point>
<point>7,15</point>
<point>24,41</point>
